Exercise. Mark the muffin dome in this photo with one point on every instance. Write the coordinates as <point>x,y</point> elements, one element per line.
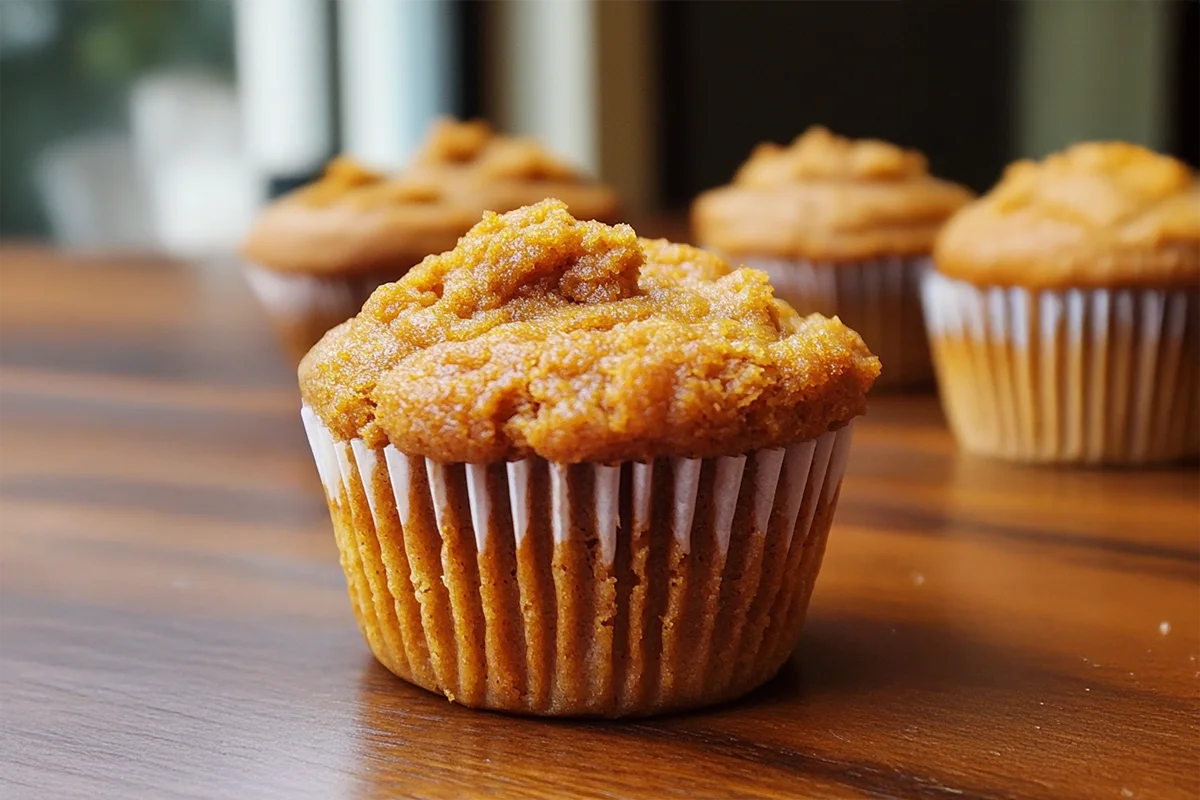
<point>355,220</point>
<point>825,197</point>
<point>1099,214</point>
<point>543,335</point>
<point>490,172</point>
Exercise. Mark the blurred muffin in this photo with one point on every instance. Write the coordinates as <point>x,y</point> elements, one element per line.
<point>500,173</point>
<point>574,472</point>
<point>842,227</point>
<point>1063,310</point>
<point>318,253</point>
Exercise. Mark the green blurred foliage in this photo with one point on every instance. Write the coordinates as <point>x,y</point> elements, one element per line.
<point>78,81</point>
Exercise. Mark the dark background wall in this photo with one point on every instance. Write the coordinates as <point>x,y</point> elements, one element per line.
<point>932,74</point>
<point>1185,81</point>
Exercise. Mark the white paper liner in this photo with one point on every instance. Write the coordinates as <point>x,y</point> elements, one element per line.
<point>715,614</point>
<point>1090,376</point>
<point>879,298</point>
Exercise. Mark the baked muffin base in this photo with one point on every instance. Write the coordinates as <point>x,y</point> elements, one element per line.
<point>302,307</point>
<point>582,590</point>
<point>878,298</point>
<point>1076,376</point>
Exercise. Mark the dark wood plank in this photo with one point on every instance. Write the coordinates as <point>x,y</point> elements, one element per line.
<point>173,619</point>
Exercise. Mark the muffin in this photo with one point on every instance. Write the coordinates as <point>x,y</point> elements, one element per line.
<point>575,472</point>
<point>317,254</point>
<point>842,227</point>
<point>1063,311</point>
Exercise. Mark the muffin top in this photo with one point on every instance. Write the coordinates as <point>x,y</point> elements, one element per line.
<point>500,173</point>
<point>356,220</point>
<point>825,197</point>
<point>1096,214</point>
<point>540,334</point>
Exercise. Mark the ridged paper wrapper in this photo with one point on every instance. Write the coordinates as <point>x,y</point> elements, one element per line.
<point>1072,376</point>
<point>609,590</point>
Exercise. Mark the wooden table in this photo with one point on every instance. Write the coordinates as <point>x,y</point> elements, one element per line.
<point>173,620</point>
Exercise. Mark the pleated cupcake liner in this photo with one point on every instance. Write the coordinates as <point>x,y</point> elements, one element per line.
<point>1073,376</point>
<point>879,298</point>
<point>303,307</point>
<point>582,590</point>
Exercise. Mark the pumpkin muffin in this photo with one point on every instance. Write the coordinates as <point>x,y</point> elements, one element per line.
<point>575,472</point>
<point>1063,310</point>
<point>842,227</point>
<point>317,254</point>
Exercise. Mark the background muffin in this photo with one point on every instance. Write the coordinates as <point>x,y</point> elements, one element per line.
<point>842,227</point>
<point>319,252</point>
<point>488,172</point>
<point>573,472</point>
<point>1063,312</point>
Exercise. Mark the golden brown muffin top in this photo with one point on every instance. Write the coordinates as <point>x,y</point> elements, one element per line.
<point>1096,214</point>
<point>577,341</point>
<point>826,197</point>
<point>354,219</point>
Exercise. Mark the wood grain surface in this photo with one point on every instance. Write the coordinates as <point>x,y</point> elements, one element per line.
<point>174,623</point>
